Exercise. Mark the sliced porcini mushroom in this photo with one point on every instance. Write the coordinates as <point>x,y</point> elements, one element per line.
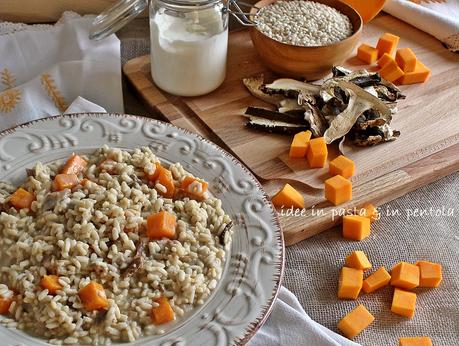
<point>277,116</point>
<point>289,106</point>
<point>374,135</point>
<point>274,126</point>
<point>317,122</point>
<point>255,84</point>
<point>359,102</point>
<point>292,88</point>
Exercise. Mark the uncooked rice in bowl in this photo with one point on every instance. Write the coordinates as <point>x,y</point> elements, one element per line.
<point>95,232</point>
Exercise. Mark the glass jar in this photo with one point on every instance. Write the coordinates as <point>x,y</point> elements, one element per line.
<point>189,42</point>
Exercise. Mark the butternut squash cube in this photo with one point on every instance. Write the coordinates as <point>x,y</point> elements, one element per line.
<point>350,283</point>
<point>342,166</point>
<point>300,145</point>
<point>430,274</point>
<point>162,313</point>
<point>405,275</point>
<point>65,181</point>
<point>355,322</point>
<point>369,211</point>
<point>6,301</point>
<point>358,260</point>
<point>51,283</point>
<point>420,74</point>
<point>356,227</point>
<point>93,296</point>
<point>161,225</point>
<point>376,280</point>
<point>22,198</point>
<point>391,71</point>
<point>338,190</point>
<point>415,341</point>
<point>288,197</point>
<point>387,43</point>
<point>384,60</point>
<point>317,153</point>
<point>406,59</point>
<point>403,303</point>
<point>367,53</point>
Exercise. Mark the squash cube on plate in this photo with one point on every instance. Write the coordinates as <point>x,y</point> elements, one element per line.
<point>403,303</point>
<point>317,152</point>
<point>415,341</point>
<point>358,260</point>
<point>342,166</point>
<point>356,227</point>
<point>430,274</point>
<point>22,198</point>
<point>161,225</point>
<point>355,322</point>
<point>350,283</point>
<point>376,280</point>
<point>338,190</point>
<point>405,275</point>
<point>93,296</point>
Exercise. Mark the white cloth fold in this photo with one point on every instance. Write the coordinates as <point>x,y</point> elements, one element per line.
<point>43,68</point>
<point>439,19</point>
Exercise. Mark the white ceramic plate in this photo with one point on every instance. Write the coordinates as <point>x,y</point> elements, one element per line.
<point>254,265</point>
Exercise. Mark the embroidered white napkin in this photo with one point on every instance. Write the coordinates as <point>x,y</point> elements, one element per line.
<point>438,18</point>
<point>43,68</point>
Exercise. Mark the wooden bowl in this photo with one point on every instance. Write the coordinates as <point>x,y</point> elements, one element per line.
<point>312,62</point>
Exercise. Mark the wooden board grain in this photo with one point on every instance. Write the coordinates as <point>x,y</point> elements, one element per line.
<point>423,153</point>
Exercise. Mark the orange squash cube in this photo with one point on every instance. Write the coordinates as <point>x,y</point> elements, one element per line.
<point>22,198</point>
<point>93,296</point>
<point>415,341</point>
<point>405,275</point>
<point>403,303</point>
<point>356,227</point>
<point>367,53</point>
<point>317,153</point>
<point>161,225</point>
<point>391,72</point>
<point>163,313</point>
<point>65,181</point>
<point>387,43</point>
<point>165,179</point>
<point>384,60</point>
<point>369,211</point>
<point>355,322</point>
<point>51,283</point>
<point>358,260</point>
<point>5,303</point>
<point>74,165</point>
<point>300,145</point>
<point>430,274</point>
<point>338,190</point>
<point>342,166</point>
<point>406,59</point>
<point>420,74</point>
<point>350,283</point>
<point>376,280</point>
<point>194,186</point>
<point>288,197</point>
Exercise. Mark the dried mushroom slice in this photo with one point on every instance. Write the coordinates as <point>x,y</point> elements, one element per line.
<point>278,116</point>
<point>317,122</point>
<point>255,84</point>
<point>289,105</point>
<point>374,135</point>
<point>291,88</point>
<point>275,126</point>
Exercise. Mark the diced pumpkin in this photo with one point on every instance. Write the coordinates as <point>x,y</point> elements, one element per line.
<point>288,197</point>
<point>369,211</point>
<point>194,186</point>
<point>358,260</point>
<point>22,198</point>
<point>415,341</point>
<point>405,275</point>
<point>430,274</point>
<point>161,225</point>
<point>342,166</point>
<point>300,145</point>
<point>403,303</point>
<point>350,283</point>
<point>367,53</point>
<point>406,59</point>
<point>391,71</point>
<point>420,74</point>
<point>368,9</point>
<point>153,176</point>
<point>355,322</point>
<point>376,280</point>
<point>384,60</point>
<point>51,283</point>
<point>162,313</point>
<point>65,181</point>
<point>387,43</point>
<point>167,188</point>
<point>5,303</point>
<point>338,190</point>
<point>317,153</point>
<point>356,227</point>
<point>93,296</point>
<point>74,165</point>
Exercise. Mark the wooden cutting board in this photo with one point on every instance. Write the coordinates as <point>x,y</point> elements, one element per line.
<point>426,150</point>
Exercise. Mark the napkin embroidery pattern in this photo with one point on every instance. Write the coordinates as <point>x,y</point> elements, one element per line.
<point>50,86</point>
<point>11,96</point>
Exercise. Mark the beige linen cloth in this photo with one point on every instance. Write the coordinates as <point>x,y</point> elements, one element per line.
<point>439,18</point>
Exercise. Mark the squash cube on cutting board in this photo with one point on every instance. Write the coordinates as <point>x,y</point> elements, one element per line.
<point>406,59</point>
<point>391,71</point>
<point>350,283</point>
<point>300,145</point>
<point>356,227</point>
<point>405,275</point>
<point>420,74</point>
<point>288,197</point>
<point>387,43</point>
<point>317,153</point>
<point>415,341</point>
<point>376,280</point>
<point>342,166</point>
<point>430,274</point>
<point>338,190</point>
<point>358,260</point>
<point>384,60</point>
<point>367,53</point>
<point>355,322</point>
<point>369,211</point>
<point>403,303</point>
